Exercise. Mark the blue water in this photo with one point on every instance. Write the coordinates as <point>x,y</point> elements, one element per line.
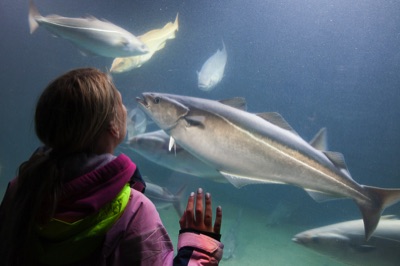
<point>333,64</point>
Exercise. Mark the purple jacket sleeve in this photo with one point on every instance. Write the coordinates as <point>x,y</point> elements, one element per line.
<point>140,238</point>
<point>198,249</point>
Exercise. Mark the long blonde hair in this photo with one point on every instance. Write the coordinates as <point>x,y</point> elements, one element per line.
<point>70,115</point>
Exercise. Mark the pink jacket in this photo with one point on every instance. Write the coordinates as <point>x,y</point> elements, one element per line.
<point>138,236</point>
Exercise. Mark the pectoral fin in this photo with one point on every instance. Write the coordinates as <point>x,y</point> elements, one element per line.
<point>171,143</point>
<point>195,120</point>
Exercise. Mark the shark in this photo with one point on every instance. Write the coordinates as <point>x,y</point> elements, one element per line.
<point>248,148</point>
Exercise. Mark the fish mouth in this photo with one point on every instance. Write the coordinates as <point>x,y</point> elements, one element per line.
<point>205,87</point>
<point>202,85</point>
<point>302,240</point>
<point>142,101</point>
<point>147,100</point>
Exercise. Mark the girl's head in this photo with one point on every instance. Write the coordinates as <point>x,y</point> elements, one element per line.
<point>79,112</point>
<point>76,108</point>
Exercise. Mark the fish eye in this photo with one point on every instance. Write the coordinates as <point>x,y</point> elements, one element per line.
<point>157,100</point>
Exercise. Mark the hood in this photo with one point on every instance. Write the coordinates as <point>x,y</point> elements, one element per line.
<point>89,206</point>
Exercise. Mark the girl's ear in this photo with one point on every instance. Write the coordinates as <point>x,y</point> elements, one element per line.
<point>113,129</point>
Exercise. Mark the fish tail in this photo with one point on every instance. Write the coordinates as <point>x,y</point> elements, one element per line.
<point>176,23</point>
<point>178,202</point>
<point>33,13</point>
<point>381,199</point>
<point>174,27</point>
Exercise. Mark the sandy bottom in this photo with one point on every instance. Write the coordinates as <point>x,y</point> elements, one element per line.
<point>256,243</point>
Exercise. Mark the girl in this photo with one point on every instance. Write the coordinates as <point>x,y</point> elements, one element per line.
<point>75,203</point>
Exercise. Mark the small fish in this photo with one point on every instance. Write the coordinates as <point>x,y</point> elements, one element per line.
<point>163,198</point>
<point>155,40</point>
<point>345,242</point>
<point>280,214</point>
<point>91,35</point>
<point>212,71</point>
<point>136,123</point>
<point>263,148</point>
<point>230,238</point>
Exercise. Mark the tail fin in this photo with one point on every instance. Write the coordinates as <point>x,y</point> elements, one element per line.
<point>176,22</point>
<point>382,198</point>
<point>174,27</point>
<point>223,46</point>
<point>178,202</point>
<point>33,13</point>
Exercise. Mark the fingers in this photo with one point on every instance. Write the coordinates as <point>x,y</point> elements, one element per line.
<point>189,211</point>
<point>199,207</point>
<point>198,217</point>
<point>208,213</point>
<point>218,220</point>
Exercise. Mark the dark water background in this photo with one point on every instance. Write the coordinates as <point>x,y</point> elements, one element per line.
<point>333,64</point>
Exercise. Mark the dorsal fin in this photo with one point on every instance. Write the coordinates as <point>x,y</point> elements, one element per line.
<point>319,141</point>
<point>53,16</point>
<point>277,120</point>
<point>337,159</point>
<point>237,102</point>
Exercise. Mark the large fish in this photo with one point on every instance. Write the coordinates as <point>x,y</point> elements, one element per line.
<point>155,40</point>
<point>345,242</point>
<point>212,71</point>
<point>91,35</point>
<point>154,147</point>
<point>253,149</point>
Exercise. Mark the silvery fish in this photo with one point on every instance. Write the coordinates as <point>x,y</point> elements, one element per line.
<point>155,40</point>
<point>212,71</point>
<point>136,123</point>
<point>262,148</point>
<point>154,147</point>
<point>91,35</point>
<point>345,242</point>
<point>230,238</point>
<point>280,214</point>
<point>163,198</point>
